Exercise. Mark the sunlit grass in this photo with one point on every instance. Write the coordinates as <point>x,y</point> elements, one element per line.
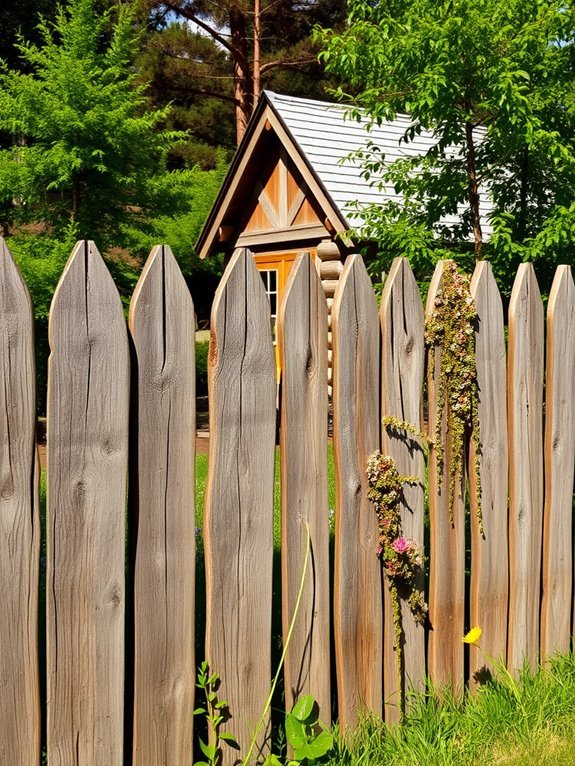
<point>530,724</point>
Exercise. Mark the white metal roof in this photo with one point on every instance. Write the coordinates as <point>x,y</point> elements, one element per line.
<point>327,137</point>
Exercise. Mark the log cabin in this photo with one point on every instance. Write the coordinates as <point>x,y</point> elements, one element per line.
<point>293,186</point>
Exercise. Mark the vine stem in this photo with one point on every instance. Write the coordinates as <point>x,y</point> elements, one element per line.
<point>398,643</point>
<point>267,706</point>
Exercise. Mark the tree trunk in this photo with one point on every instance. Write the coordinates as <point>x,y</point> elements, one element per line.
<point>257,39</point>
<point>76,198</point>
<point>473,191</point>
<point>243,85</point>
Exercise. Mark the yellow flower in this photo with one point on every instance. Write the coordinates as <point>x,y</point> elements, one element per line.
<point>473,636</point>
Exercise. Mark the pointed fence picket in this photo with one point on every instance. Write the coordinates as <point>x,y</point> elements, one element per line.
<point>88,395</point>
<point>238,515</point>
<point>525,390</point>
<point>302,335</point>
<point>162,512</point>
<point>358,597</point>
<point>19,523</point>
<point>489,551</point>
<point>94,696</point>
<point>447,540</point>
<point>403,359</point>
<point>559,464</point>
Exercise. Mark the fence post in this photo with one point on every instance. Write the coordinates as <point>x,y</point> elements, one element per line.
<point>19,523</point>
<point>88,399</point>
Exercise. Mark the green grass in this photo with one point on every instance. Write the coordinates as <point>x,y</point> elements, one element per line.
<point>202,476</point>
<point>531,723</point>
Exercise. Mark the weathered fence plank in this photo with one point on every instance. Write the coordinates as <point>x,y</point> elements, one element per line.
<point>88,399</point>
<point>162,488</point>
<point>447,541</point>
<point>402,369</point>
<point>525,391</point>
<point>238,519</point>
<point>559,464</point>
<point>19,523</point>
<point>358,617</point>
<point>303,344</point>
<point>489,552</point>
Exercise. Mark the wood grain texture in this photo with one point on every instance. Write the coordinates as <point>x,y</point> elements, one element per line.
<point>19,523</point>
<point>525,391</point>
<point>88,400</point>
<point>559,462</point>
<point>303,343</point>
<point>447,542</point>
<point>489,553</point>
<point>162,509</point>
<point>358,615</point>
<point>402,370</point>
<point>238,517</point>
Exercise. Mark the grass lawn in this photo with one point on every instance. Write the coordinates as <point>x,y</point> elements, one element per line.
<point>531,723</point>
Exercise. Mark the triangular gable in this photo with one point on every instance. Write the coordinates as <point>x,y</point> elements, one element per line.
<point>270,187</point>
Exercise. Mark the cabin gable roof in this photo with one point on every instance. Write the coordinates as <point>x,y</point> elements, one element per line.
<point>320,140</point>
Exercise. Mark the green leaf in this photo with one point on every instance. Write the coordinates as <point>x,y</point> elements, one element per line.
<point>295,731</point>
<point>208,750</point>
<point>230,739</point>
<point>303,753</point>
<point>199,711</point>
<point>304,708</point>
<point>322,744</point>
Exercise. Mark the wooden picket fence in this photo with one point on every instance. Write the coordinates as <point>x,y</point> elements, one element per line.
<point>121,426</point>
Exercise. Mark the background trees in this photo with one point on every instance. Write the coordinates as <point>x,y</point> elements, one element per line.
<point>494,81</point>
<point>227,51</point>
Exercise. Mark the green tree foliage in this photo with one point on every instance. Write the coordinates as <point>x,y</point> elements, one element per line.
<point>494,82</point>
<point>84,148</point>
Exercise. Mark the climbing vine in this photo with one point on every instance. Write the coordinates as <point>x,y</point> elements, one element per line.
<point>451,326</point>
<point>402,559</point>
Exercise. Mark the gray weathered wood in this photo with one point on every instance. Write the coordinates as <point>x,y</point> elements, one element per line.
<point>402,369</point>
<point>162,505</point>
<point>88,399</point>
<point>238,519</point>
<point>19,524</point>
<point>559,463</point>
<point>303,346</point>
<point>489,553</point>
<point>525,391</point>
<point>447,543</point>
<point>357,577</point>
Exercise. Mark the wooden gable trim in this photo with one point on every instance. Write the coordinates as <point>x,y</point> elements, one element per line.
<point>267,119</point>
